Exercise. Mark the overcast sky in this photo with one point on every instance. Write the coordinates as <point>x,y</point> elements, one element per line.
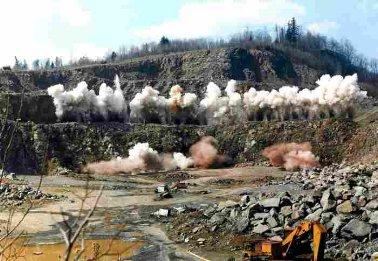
<point>74,28</point>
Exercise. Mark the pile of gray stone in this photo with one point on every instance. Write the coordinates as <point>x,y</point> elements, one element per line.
<point>349,200</point>
<point>16,195</point>
<point>359,177</point>
<point>343,199</point>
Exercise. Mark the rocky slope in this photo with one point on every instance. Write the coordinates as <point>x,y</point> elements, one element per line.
<point>44,147</point>
<point>343,199</point>
<point>191,69</point>
<point>260,68</point>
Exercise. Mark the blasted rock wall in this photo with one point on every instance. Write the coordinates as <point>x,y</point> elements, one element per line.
<point>193,70</point>
<point>43,147</point>
<point>37,107</point>
<point>261,68</point>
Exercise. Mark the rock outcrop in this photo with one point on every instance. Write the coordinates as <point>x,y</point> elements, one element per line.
<point>193,70</point>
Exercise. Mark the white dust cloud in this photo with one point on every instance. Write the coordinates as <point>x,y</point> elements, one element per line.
<point>148,106</point>
<point>82,104</point>
<point>335,96</point>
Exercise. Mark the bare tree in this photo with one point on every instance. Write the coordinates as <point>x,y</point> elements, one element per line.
<point>71,232</point>
<point>347,49</point>
<point>6,141</point>
<point>7,135</point>
<point>374,65</point>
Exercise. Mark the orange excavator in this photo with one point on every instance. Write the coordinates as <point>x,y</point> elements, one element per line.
<point>304,242</point>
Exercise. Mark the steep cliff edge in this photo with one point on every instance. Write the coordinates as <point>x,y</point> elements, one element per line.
<point>261,68</point>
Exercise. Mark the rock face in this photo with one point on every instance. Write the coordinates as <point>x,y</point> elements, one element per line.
<point>44,147</point>
<point>263,68</point>
<point>37,107</point>
<point>266,69</point>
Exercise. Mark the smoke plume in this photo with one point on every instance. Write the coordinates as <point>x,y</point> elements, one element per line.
<point>334,96</point>
<point>111,103</point>
<point>235,102</point>
<point>81,104</point>
<point>148,106</point>
<point>216,108</point>
<point>142,158</point>
<point>181,161</point>
<point>291,156</point>
<point>205,154</point>
<point>299,159</point>
<point>182,107</point>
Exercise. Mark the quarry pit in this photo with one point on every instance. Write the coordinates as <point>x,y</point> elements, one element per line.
<point>191,214</point>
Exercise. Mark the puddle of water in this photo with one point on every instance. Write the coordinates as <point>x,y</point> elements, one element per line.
<point>115,249</point>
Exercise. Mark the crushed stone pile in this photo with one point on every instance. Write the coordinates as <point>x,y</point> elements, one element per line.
<point>343,198</point>
<point>16,195</point>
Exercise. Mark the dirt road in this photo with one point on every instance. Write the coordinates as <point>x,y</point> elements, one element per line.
<point>128,201</point>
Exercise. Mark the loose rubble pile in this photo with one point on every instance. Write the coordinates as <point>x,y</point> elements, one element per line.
<point>16,195</point>
<point>348,196</point>
<point>165,191</point>
<point>343,199</point>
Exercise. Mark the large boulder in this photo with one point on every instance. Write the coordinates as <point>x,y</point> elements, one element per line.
<point>356,228</point>
<point>217,219</point>
<point>270,202</point>
<point>260,229</point>
<point>327,201</point>
<point>345,207</point>
<point>374,218</point>
<point>242,224</point>
<point>372,205</point>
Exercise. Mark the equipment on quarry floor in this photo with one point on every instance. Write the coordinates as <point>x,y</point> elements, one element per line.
<point>304,242</point>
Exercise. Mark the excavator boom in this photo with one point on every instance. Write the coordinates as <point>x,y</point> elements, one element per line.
<point>319,238</point>
<point>292,244</point>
